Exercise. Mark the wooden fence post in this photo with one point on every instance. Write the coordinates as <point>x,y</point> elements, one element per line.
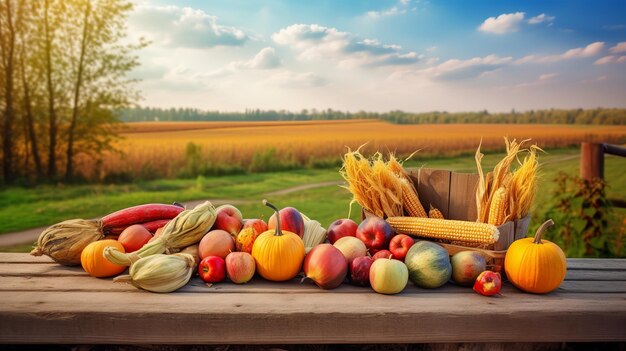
<point>591,161</point>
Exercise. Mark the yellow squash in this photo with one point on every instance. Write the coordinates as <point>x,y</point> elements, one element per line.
<point>278,254</point>
<point>535,265</point>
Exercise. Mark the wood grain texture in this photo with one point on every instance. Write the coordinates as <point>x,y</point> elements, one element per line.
<point>64,305</point>
<point>462,204</point>
<point>433,188</point>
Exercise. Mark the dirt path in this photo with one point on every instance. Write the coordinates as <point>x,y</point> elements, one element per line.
<point>30,235</point>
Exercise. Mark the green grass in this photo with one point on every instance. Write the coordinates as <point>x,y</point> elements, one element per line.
<point>23,208</point>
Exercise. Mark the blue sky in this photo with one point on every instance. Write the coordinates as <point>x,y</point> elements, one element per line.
<point>412,55</point>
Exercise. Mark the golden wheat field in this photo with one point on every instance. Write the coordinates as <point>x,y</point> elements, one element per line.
<point>159,148</point>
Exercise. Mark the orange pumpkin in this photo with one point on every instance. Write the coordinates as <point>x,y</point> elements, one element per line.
<point>93,261</point>
<point>278,254</point>
<point>535,265</point>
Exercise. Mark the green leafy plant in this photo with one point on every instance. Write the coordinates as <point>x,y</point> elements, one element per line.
<point>586,223</point>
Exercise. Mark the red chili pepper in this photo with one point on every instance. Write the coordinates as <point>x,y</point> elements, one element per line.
<point>139,214</point>
<point>152,226</point>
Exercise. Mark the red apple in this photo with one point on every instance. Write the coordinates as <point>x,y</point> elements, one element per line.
<point>351,247</point>
<point>326,266</point>
<point>258,225</point>
<point>488,283</point>
<point>400,245</point>
<point>360,271</point>
<point>212,269</point>
<point>340,228</point>
<point>382,254</point>
<point>376,233</point>
<point>290,220</point>
<point>134,237</point>
<point>216,243</point>
<point>229,219</point>
<point>239,267</point>
<point>245,239</point>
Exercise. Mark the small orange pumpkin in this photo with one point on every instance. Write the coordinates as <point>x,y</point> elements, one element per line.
<point>535,265</point>
<point>278,253</point>
<point>93,261</point>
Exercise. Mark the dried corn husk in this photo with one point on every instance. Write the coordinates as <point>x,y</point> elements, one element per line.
<point>65,241</point>
<point>314,233</point>
<point>185,229</point>
<point>523,185</point>
<point>520,185</point>
<point>374,185</point>
<point>160,273</point>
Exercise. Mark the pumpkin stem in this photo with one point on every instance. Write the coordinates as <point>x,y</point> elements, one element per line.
<point>547,224</point>
<point>278,231</point>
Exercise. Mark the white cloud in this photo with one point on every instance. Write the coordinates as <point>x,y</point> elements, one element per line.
<point>318,42</point>
<point>542,80</point>
<point>174,26</point>
<point>264,59</point>
<point>505,23</point>
<point>393,11</point>
<point>610,59</point>
<point>592,49</point>
<point>400,9</point>
<point>541,19</point>
<point>605,60</point>
<point>455,69</point>
<point>297,80</point>
<point>547,77</point>
<point>619,48</point>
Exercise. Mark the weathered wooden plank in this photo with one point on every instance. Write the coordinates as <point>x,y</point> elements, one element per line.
<point>596,263</point>
<point>12,257</point>
<point>434,189</point>
<point>71,317</point>
<point>30,269</point>
<point>591,288</point>
<point>596,275</point>
<point>50,284</point>
<point>462,205</point>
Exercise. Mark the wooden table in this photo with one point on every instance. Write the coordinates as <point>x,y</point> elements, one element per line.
<point>43,302</point>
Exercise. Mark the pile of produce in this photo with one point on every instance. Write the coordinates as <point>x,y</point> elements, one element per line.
<point>65,241</point>
<point>161,247</point>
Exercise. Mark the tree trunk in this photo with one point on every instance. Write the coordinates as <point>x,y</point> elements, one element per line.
<point>52,120</point>
<point>9,113</point>
<point>69,170</point>
<point>30,123</point>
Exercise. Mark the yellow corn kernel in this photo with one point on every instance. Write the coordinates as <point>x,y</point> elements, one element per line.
<point>411,203</point>
<point>497,207</point>
<point>435,213</point>
<point>445,229</point>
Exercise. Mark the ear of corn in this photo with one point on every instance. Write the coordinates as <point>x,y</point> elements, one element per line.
<point>498,207</point>
<point>314,233</point>
<point>445,229</point>
<point>435,213</point>
<point>410,201</point>
<point>160,273</point>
